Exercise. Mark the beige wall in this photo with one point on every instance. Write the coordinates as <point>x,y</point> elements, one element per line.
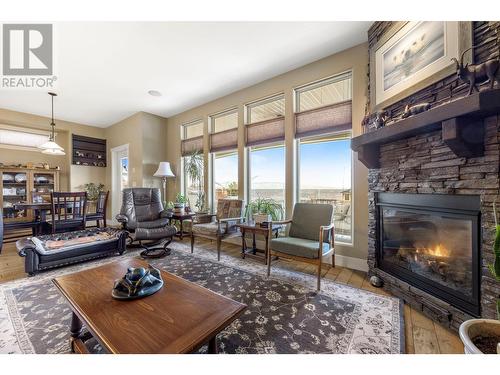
<point>146,136</point>
<point>127,131</point>
<point>72,176</point>
<point>354,59</point>
<point>154,140</point>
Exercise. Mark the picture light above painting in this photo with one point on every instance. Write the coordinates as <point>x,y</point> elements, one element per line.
<point>414,55</point>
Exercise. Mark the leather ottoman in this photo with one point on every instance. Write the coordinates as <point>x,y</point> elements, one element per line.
<point>155,234</point>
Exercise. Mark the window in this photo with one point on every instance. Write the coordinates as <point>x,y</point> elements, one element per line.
<point>192,129</point>
<point>224,121</point>
<point>193,164</point>
<point>325,177</point>
<point>322,93</point>
<point>267,173</point>
<point>265,109</point>
<point>323,122</point>
<point>224,176</point>
<point>27,140</point>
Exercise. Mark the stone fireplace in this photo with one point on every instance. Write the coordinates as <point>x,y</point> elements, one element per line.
<point>431,224</point>
<point>433,178</point>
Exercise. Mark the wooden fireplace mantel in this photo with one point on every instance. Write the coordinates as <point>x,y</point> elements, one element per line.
<point>461,123</point>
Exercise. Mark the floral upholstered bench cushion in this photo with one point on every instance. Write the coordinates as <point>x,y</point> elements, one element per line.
<point>61,242</point>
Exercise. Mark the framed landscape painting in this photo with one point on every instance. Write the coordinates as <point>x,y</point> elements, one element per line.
<point>413,55</point>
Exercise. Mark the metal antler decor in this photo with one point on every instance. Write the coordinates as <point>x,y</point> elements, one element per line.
<point>475,74</point>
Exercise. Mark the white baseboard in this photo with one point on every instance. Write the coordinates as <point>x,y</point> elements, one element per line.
<point>352,263</point>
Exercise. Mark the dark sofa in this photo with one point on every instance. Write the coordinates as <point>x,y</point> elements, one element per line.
<point>37,260</point>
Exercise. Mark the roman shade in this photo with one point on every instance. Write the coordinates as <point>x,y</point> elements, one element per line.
<point>267,131</point>
<point>324,120</point>
<point>224,140</point>
<point>191,145</point>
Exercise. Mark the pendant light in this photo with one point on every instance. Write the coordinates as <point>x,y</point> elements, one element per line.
<point>51,147</point>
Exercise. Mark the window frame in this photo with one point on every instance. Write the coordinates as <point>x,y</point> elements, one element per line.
<point>248,152</point>
<point>212,176</point>
<point>297,144</point>
<point>217,115</point>
<point>20,129</point>
<point>317,84</point>
<point>258,102</point>
<point>186,125</point>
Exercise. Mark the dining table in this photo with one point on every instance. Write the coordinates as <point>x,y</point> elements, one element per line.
<point>40,211</point>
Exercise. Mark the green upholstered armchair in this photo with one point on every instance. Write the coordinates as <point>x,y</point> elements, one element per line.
<point>219,225</point>
<point>310,236</point>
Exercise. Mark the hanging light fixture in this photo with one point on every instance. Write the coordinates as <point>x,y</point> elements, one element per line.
<point>51,147</point>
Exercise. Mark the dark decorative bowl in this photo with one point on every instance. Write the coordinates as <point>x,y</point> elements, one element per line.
<point>137,283</point>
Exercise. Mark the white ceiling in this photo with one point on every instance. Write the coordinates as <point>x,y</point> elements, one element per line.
<point>104,70</point>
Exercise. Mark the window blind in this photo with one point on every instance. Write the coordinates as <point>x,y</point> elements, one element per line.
<point>267,131</point>
<point>191,145</point>
<point>327,119</point>
<point>224,140</point>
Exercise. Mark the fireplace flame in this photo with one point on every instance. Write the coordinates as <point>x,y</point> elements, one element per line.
<point>438,250</point>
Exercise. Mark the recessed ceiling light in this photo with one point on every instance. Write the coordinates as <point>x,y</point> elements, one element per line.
<point>154,93</point>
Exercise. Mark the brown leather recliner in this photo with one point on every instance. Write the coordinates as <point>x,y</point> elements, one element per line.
<point>143,216</point>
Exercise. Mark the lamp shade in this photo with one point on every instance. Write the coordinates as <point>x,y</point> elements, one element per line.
<point>164,170</point>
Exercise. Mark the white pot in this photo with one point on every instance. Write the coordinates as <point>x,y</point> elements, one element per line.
<point>475,327</point>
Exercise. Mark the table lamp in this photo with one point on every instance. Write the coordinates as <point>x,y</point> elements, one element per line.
<point>164,171</point>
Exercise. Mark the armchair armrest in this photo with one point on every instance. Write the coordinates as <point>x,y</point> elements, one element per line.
<point>202,218</point>
<point>165,214</point>
<point>281,222</point>
<point>326,227</point>
<point>225,220</point>
<point>122,218</point>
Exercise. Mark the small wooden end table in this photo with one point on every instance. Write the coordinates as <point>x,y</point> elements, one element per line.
<point>179,318</point>
<point>181,216</point>
<point>254,228</point>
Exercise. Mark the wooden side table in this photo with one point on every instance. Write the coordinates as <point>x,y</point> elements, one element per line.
<point>256,229</point>
<point>181,217</point>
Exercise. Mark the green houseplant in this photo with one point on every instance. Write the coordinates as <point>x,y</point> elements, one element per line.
<point>180,201</point>
<point>483,335</point>
<point>265,206</point>
<point>93,190</point>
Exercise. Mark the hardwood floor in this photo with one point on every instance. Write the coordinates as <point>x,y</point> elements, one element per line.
<point>423,336</point>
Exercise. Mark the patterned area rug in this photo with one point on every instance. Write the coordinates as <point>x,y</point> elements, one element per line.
<point>284,314</point>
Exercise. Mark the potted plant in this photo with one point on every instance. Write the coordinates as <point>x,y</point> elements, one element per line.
<point>264,209</point>
<point>180,202</point>
<point>93,191</point>
<point>483,335</point>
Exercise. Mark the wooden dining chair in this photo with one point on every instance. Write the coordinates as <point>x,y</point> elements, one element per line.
<point>68,211</point>
<point>100,211</point>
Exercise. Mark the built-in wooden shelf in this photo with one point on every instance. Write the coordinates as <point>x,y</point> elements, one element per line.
<point>459,120</point>
<point>89,151</point>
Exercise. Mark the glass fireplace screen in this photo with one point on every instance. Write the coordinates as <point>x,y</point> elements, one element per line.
<point>436,247</point>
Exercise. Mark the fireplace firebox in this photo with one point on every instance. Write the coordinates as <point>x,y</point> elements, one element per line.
<point>431,241</point>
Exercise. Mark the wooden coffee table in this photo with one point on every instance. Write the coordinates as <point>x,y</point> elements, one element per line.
<point>179,318</point>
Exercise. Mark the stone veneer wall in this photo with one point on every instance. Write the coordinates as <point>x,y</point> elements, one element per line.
<point>424,164</point>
